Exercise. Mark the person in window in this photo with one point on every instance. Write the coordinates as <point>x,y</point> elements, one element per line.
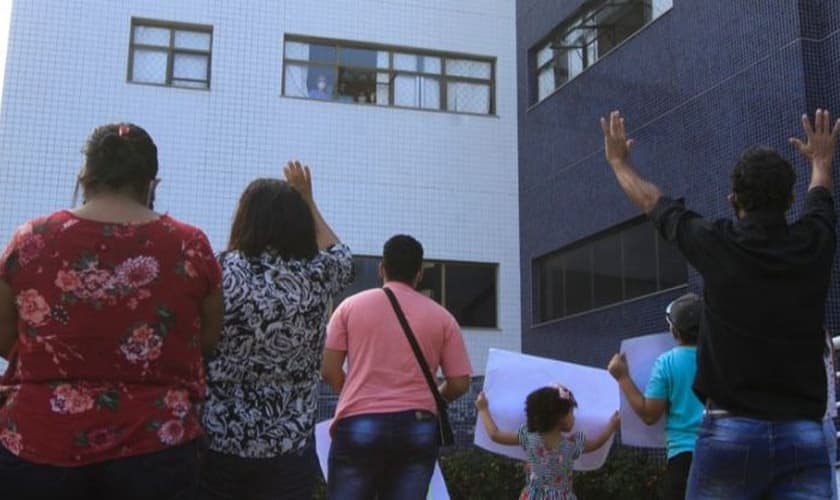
<point>321,90</point>
<point>282,267</point>
<point>104,313</point>
<point>668,391</point>
<point>344,95</point>
<point>385,431</point>
<point>760,370</point>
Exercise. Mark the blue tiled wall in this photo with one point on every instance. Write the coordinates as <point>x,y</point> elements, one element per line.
<point>697,85</point>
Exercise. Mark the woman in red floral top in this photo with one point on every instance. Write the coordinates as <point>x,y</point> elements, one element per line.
<point>104,313</point>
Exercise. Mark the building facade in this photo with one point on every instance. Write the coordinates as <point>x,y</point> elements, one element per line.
<point>697,83</point>
<point>406,112</point>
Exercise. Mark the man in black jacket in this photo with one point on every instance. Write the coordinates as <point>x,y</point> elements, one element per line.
<point>759,358</point>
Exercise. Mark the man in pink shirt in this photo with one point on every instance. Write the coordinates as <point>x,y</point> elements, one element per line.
<point>385,433</point>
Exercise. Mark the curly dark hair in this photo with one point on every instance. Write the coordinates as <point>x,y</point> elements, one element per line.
<point>119,155</point>
<point>763,180</point>
<point>544,408</point>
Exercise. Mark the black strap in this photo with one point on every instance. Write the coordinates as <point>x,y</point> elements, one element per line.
<point>415,347</point>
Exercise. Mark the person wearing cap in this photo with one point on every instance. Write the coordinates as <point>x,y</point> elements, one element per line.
<point>760,371</point>
<point>669,390</point>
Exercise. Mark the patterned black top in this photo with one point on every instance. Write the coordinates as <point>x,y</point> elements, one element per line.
<point>263,383</point>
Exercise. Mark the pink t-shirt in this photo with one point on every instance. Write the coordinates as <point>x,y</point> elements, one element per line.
<point>383,374</point>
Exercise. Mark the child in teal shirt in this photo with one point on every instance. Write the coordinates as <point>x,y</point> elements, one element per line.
<point>669,388</point>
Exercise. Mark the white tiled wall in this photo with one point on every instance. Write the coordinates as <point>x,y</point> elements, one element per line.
<point>450,180</point>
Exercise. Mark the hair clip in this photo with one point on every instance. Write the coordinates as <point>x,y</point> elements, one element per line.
<point>124,130</point>
<point>565,394</point>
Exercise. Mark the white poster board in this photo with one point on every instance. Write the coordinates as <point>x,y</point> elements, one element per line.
<point>437,486</point>
<point>641,354</point>
<point>511,376</point>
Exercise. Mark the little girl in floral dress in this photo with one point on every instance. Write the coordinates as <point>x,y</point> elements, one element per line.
<point>551,451</point>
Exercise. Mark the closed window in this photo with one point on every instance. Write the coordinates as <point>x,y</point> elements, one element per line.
<point>353,72</point>
<point>466,289</point>
<point>170,54</point>
<point>587,36</point>
<point>621,264</point>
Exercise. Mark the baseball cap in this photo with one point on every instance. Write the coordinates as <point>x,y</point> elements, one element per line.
<point>684,312</point>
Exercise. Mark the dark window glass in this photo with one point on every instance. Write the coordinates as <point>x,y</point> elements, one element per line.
<point>639,245</point>
<point>672,269</point>
<point>471,294</point>
<point>322,53</point>
<point>357,57</point>
<point>578,280</point>
<point>627,262</point>
<point>365,276</point>
<point>432,283</point>
<point>606,269</point>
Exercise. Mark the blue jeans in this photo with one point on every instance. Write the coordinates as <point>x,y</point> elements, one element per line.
<point>388,456</point>
<point>170,474</point>
<point>745,458</point>
<point>284,477</point>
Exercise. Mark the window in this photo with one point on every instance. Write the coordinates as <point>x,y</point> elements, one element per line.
<point>586,37</point>
<point>623,263</point>
<point>170,54</point>
<point>466,289</point>
<point>351,72</point>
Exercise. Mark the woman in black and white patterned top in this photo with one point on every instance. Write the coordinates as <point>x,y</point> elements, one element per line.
<point>282,267</point>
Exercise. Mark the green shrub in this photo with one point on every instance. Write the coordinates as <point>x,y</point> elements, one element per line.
<point>474,474</point>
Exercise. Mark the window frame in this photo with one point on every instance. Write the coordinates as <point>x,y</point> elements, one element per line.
<point>393,72</point>
<point>443,284</point>
<point>577,20</point>
<point>618,232</point>
<point>171,51</point>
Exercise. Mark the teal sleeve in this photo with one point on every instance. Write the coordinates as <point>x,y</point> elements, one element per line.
<point>658,387</point>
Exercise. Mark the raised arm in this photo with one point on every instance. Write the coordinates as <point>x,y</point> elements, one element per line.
<point>642,193</point>
<point>648,409</point>
<point>497,436</point>
<point>599,440</point>
<point>301,179</point>
<point>818,148</point>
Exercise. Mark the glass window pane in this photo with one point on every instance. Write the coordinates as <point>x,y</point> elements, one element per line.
<point>357,85</point>
<point>406,62</point>
<point>545,54</point>
<point>549,272</point>
<point>639,260</point>
<point>659,7</point>
<point>320,83</point>
<point>546,83</point>
<point>469,68</point>
<point>578,280</point>
<point>297,50</point>
<point>149,35</point>
<point>149,66</point>
<point>432,283</point>
<point>428,64</point>
<point>322,53</point>
<point>192,40</point>
<point>417,91</point>
<point>673,269</point>
<point>358,57</point>
<point>471,294</point>
<point>190,84</point>
<point>606,254</point>
<point>365,276</point>
<point>190,66</point>
<point>468,97</point>
<point>383,85</point>
<point>294,82</point>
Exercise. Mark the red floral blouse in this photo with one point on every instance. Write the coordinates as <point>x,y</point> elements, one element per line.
<point>108,360</point>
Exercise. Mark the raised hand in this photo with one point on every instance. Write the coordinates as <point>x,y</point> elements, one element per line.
<point>618,366</point>
<point>481,401</point>
<point>820,139</point>
<point>616,144</point>
<point>299,177</point>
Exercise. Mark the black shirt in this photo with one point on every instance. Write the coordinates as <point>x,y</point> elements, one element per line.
<point>760,348</point>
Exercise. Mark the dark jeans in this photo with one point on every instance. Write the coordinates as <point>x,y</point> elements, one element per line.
<point>744,458</point>
<point>171,474</point>
<point>676,476</point>
<point>388,456</point>
<point>229,477</point>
